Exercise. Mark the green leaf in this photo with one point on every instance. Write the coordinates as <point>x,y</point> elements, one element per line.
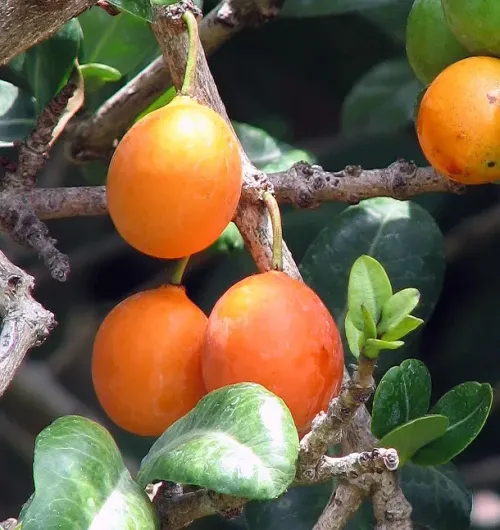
<point>390,17</point>
<point>369,286</point>
<point>355,338</point>
<point>229,240</point>
<point>373,347</point>
<point>369,327</point>
<point>17,114</point>
<point>382,100</point>
<point>239,440</point>
<point>124,42</point>
<point>467,407</point>
<point>408,438</point>
<point>397,308</point>
<point>139,8</point>
<point>298,509</point>
<point>261,148</point>
<point>407,325</point>
<point>315,8</point>
<point>82,482</point>
<point>96,75</point>
<point>289,156</point>
<point>48,65</point>
<point>401,235</point>
<point>403,394</point>
<point>439,497</point>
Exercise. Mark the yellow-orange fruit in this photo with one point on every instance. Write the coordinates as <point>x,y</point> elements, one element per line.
<point>146,362</point>
<point>273,330</point>
<point>458,122</point>
<point>175,179</point>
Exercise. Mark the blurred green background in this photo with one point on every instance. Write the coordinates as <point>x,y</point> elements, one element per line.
<point>334,83</point>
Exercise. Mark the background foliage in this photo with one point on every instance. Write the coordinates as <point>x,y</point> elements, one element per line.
<point>342,93</point>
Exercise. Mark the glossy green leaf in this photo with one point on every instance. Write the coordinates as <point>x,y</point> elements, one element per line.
<point>467,407</point>
<point>124,42</point>
<point>403,394</point>
<point>298,509</point>
<point>408,438</point>
<point>240,440</point>
<point>439,497</point>
<point>355,338</point>
<point>261,148</point>
<point>373,347</point>
<point>315,8</point>
<point>17,114</point>
<point>382,100</point>
<point>82,482</point>
<point>289,156</point>
<point>369,286</point>
<point>397,308</point>
<point>400,330</point>
<point>96,75</point>
<point>401,235</point>
<point>48,65</point>
<point>139,8</point>
<point>369,327</point>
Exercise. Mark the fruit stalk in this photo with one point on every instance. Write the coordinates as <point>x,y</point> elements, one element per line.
<point>192,58</point>
<point>180,268</point>
<point>274,212</point>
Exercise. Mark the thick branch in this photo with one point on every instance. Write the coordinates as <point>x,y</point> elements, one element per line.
<point>24,23</point>
<point>307,186</point>
<point>25,322</point>
<point>94,137</point>
<point>343,504</point>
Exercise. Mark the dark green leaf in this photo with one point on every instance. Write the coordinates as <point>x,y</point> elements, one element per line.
<point>229,240</point>
<point>17,114</point>
<point>139,8</point>
<point>390,17</point>
<point>298,509</point>
<point>407,325</point>
<point>373,347</point>
<point>368,286</point>
<point>82,482</point>
<point>314,8</point>
<point>408,438</point>
<point>240,440</point>
<point>439,497</point>
<point>355,338</point>
<point>467,407</point>
<point>401,235</point>
<point>95,75</point>
<point>48,65</point>
<point>382,100</point>
<point>261,148</point>
<point>403,394</point>
<point>397,308</point>
<point>124,42</point>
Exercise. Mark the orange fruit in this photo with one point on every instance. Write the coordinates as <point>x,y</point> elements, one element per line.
<point>146,360</point>
<point>274,330</point>
<point>175,180</point>
<point>458,124</point>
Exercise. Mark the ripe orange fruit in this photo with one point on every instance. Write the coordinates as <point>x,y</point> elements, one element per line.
<point>175,180</point>
<point>146,362</point>
<point>273,330</point>
<point>458,122</point>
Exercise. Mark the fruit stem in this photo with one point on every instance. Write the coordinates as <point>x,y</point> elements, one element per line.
<point>176,278</point>
<point>274,212</point>
<point>192,58</point>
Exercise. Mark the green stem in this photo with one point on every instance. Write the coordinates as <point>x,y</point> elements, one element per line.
<point>176,278</point>
<point>192,58</point>
<point>274,212</point>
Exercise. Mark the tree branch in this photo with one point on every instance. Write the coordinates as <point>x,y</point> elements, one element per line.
<point>307,186</point>
<point>343,504</point>
<point>24,23</point>
<point>25,322</point>
<point>94,137</point>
